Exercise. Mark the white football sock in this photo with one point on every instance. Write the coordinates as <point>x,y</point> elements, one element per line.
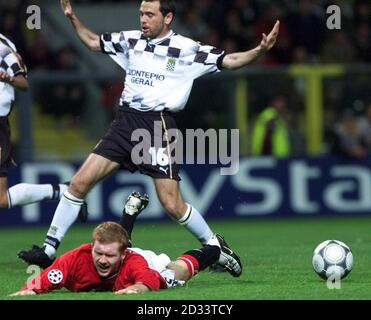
<point>25,193</point>
<point>65,215</point>
<point>196,224</point>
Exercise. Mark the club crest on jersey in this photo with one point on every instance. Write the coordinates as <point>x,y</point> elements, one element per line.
<point>171,64</point>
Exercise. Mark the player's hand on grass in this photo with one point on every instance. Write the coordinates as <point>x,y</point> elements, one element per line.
<point>269,40</point>
<point>67,8</point>
<point>134,289</point>
<point>23,293</point>
<point>128,291</point>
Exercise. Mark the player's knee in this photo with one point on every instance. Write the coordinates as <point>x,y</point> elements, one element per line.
<point>78,187</point>
<point>173,207</point>
<point>169,206</point>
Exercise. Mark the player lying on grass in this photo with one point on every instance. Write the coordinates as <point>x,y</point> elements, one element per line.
<point>108,264</point>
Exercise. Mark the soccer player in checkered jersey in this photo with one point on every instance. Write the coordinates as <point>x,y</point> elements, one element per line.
<point>13,75</point>
<point>160,68</point>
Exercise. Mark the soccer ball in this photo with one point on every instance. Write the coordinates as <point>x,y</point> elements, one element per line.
<point>332,259</point>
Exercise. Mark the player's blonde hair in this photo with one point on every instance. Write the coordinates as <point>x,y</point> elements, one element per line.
<point>109,232</point>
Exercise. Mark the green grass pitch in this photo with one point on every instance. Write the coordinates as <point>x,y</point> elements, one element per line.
<point>276,255</point>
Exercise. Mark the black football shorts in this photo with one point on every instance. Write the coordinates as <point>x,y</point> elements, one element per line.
<point>142,141</point>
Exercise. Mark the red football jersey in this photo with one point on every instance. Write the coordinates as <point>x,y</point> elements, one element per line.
<point>75,271</point>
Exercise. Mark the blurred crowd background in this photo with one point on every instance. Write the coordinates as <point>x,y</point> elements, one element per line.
<point>234,25</point>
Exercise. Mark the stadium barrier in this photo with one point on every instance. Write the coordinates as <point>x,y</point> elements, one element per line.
<point>263,187</point>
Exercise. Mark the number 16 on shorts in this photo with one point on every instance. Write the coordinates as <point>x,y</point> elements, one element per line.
<point>158,157</point>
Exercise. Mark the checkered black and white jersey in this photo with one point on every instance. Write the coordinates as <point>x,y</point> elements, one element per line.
<point>159,72</point>
<point>10,64</point>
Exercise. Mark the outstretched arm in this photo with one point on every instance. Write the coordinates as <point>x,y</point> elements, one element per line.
<point>88,37</point>
<point>238,60</point>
